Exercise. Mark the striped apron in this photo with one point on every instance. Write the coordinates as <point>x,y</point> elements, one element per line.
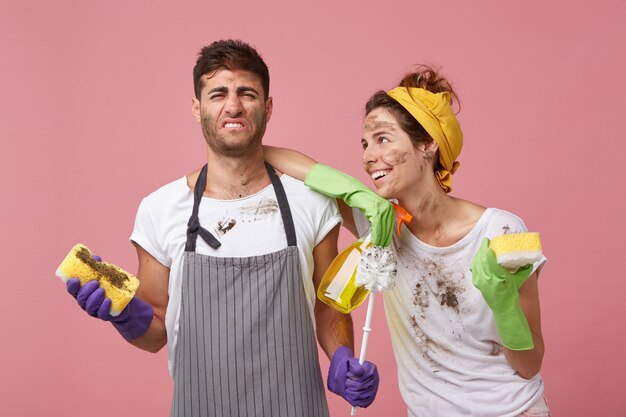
<point>246,344</point>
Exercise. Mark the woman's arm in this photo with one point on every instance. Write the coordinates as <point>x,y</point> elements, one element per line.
<point>292,163</point>
<point>298,165</point>
<point>528,362</point>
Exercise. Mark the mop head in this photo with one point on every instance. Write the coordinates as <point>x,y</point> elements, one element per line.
<point>515,250</point>
<point>120,286</point>
<point>377,268</point>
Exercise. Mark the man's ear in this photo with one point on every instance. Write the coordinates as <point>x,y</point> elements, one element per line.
<point>269,106</point>
<point>195,108</point>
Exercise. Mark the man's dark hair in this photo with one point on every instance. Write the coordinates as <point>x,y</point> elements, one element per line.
<point>231,55</point>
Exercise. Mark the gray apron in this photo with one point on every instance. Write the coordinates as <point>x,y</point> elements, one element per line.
<point>246,344</point>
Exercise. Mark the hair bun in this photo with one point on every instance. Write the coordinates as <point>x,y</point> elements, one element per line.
<point>429,78</point>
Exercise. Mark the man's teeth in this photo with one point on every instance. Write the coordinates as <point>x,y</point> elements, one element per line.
<point>233,125</point>
<point>379,174</point>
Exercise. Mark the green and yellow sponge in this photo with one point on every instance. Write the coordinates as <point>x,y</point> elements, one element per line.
<point>515,250</point>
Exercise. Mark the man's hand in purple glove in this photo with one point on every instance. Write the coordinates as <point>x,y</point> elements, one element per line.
<point>132,322</point>
<point>356,383</point>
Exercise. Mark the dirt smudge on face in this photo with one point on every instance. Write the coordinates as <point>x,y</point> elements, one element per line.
<point>429,156</point>
<point>372,123</point>
<point>395,157</point>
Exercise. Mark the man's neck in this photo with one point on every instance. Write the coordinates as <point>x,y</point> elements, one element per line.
<point>230,178</point>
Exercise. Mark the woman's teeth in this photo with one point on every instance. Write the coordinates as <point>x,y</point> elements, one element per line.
<point>379,174</point>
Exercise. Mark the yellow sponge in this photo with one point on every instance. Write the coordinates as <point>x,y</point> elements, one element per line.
<point>119,285</point>
<point>515,250</point>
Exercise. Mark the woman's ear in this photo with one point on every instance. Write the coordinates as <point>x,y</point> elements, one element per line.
<point>428,147</point>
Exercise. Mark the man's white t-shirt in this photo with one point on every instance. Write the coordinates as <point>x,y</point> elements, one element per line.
<point>245,227</point>
<point>448,351</point>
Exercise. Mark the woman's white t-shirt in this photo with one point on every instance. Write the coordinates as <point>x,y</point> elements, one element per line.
<point>448,351</point>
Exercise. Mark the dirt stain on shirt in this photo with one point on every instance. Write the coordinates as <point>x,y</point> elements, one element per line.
<point>224,225</point>
<point>265,207</point>
<point>438,282</point>
<point>448,291</point>
<point>427,345</point>
<point>496,349</point>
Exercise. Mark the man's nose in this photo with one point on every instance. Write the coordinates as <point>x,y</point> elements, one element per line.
<point>233,106</point>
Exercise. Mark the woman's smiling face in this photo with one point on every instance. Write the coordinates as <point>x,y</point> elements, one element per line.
<point>389,156</point>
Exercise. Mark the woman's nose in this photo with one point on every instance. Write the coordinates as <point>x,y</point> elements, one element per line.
<point>369,155</point>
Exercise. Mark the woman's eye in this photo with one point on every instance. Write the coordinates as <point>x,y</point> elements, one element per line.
<point>383,139</point>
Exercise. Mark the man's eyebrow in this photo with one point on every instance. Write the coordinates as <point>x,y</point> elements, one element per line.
<point>245,88</point>
<point>242,89</point>
<point>218,90</point>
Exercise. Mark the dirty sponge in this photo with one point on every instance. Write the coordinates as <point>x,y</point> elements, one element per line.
<point>515,250</point>
<point>119,285</point>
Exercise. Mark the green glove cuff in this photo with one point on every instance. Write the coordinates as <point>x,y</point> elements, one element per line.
<point>513,328</point>
<point>332,183</point>
<point>329,181</point>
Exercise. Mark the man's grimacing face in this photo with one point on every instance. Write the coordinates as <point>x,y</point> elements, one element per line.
<point>232,111</point>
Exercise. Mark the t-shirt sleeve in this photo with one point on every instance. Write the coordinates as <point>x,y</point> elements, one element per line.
<point>329,218</point>
<point>145,234</point>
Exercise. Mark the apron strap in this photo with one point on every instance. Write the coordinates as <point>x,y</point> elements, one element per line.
<point>193,226</point>
<point>283,205</point>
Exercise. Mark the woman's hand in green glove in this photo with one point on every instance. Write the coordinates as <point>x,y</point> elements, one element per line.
<point>499,288</point>
<point>336,184</point>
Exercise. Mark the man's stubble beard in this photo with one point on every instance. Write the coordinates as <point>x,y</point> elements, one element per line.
<point>220,146</point>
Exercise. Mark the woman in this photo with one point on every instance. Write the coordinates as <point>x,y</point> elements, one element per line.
<point>466,333</point>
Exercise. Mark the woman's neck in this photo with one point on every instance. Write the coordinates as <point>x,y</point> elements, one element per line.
<point>438,219</point>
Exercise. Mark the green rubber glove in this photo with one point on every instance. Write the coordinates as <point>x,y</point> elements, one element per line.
<point>499,288</point>
<point>336,184</point>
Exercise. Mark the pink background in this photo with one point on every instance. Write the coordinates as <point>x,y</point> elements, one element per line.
<point>95,113</point>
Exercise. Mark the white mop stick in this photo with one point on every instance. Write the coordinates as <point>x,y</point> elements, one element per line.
<point>366,334</point>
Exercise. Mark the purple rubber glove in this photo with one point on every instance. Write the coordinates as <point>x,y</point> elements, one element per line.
<point>356,383</point>
<point>132,322</point>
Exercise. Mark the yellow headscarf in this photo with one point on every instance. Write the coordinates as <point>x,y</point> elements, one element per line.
<point>434,113</point>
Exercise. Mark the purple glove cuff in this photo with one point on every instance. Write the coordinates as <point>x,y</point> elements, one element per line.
<point>134,320</point>
<point>338,370</point>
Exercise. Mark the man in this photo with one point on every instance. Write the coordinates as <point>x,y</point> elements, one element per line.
<point>236,307</point>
